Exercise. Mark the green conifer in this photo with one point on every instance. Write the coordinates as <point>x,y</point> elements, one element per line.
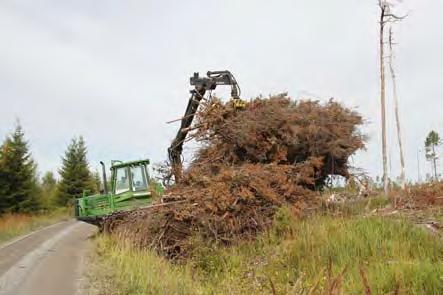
<point>75,174</point>
<point>18,182</point>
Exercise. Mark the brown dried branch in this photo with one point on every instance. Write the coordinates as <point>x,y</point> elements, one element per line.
<point>274,152</point>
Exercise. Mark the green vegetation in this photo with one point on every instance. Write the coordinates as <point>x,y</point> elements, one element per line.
<point>295,256</point>
<point>138,272</point>
<point>432,142</point>
<point>14,225</point>
<point>22,191</point>
<point>18,178</point>
<point>48,190</point>
<point>75,174</point>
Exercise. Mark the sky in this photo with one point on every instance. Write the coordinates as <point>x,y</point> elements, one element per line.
<point>116,71</point>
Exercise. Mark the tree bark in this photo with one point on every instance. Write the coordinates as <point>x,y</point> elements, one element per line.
<point>397,115</point>
<point>434,160</point>
<point>383,98</point>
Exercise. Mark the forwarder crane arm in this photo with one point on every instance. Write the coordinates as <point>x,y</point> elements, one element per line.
<point>201,85</point>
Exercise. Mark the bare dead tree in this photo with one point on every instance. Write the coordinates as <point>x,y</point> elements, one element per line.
<point>383,8</point>
<point>396,111</point>
<point>385,17</point>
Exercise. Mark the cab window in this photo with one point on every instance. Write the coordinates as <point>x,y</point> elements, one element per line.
<point>139,179</point>
<point>122,180</point>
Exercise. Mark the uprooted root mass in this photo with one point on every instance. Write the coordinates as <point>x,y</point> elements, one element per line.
<point>274,152</point>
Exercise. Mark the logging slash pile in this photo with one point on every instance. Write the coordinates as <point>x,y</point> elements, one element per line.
<point>275,152</point>
<point>418,197</point>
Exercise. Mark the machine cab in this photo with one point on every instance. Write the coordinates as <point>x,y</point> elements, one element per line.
<point>130,178</point>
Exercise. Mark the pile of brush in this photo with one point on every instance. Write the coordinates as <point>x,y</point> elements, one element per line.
<point>419,197</point>
<point>275,152</point>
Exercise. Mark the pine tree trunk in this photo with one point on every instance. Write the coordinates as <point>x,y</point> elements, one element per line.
<point>383,99</point>
<point>397,116</point>
<point>434,160</point>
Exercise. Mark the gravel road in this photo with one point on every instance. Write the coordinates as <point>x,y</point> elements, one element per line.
<point>48,261</point>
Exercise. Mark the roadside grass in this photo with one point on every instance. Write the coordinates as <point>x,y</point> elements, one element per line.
<point>296,256</point>
<point>14,225</point>
<point>116,268</point>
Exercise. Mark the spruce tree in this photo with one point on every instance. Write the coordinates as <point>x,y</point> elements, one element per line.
<point>18,182</point>
<point>75,174</point>
<point>3,180</point>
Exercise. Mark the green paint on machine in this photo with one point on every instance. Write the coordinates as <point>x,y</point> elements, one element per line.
<point>130,189</point>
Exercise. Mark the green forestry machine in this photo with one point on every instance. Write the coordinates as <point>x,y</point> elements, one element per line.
<point>130,183</point>
<point>130,188</point>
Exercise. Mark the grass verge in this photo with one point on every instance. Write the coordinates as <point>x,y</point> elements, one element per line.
<point>319,255</point>
<point>14,225</point>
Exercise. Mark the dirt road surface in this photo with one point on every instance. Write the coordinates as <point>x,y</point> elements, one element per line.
<point>48,261</point>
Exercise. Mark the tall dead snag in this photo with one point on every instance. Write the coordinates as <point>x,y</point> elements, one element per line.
<point>386,16</point>
<point>397,116</point>
<point>384,7</point>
